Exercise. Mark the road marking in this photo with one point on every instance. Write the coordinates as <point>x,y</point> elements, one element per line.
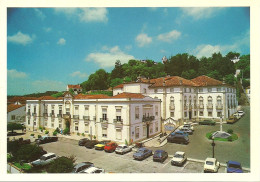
<point>166,163</point>
<point>187,162</point>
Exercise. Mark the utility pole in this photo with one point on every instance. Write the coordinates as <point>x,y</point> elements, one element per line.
<point>213,145</point>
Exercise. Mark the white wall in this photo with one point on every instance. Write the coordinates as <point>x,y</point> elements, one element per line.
<point>18,113</point>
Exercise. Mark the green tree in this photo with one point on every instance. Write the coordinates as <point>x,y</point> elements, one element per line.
<point>118,71</point>
<point>59,94</point>
<point>230,79</point>
<point>232,55</point>
<point>14,126</point>
<point>116,81</point>
<point>61,165</point>
<point>28,153</point>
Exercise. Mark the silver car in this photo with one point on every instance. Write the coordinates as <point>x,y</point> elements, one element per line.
<point>45,159</point>
<point>122,149</point>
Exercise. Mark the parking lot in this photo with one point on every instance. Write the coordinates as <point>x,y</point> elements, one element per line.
<point>115,163</point>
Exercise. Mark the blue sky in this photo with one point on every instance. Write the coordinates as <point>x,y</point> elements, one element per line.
<point>48,48</point>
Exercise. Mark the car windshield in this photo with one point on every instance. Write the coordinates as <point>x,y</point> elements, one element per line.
<point>209,162</point>
<point>157,154</point>
<point>108,145</point>
<point>120,147</point>
<point>178,155</point>
<point>141,151</point>
<point>234,166</point>
<point>43,158</point>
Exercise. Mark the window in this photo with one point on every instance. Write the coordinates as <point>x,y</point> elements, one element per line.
<point>219,114</point>
<point>172,102</point>
<point>67,105</point>
<point>209,100</point>
<point>201,90</point>
<point>156,127</point>
<point>76,110</point>
<point>104,132</point>
<point>52,109</point>
<point>86,110</point>
<point>45,123</point>
<point>201,113</point>
<point>185,114</point>
<point>46,108</point>
<point>156,110</point>
<point>13,117</point>
<point>194,90</point>
<point>104,113</point>
<point>118,114</point>
<point>195,113</point>
<point>171,89</point>
<point>209,89</point>
<point>172,114</point>
<point>34,109</point>
<point>136,112</point>
<point>185,100</point>
<point>76,127</point>
<point>201,100</point>
<point>194,100</point>
<point>118,134</point>
<point>218,89</point>
<point>28,121</point>
<point>60,109</point>
<point>137,132</point>
<point>52,123</point>
<point>144,130</point>
<point>151,128</point>
<point>145,90</point>
<point>210,114</point>
<point>86,128</point>
<point>155,90</point>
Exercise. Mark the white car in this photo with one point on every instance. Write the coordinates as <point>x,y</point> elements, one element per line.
<point>241,113</point>
<point>211,165</point>
<point>237,115</point>
<point>93,170</point>
<point>179,159</point>
<point>122,149</point>
<point>187,126</point>
<point>45,159</point>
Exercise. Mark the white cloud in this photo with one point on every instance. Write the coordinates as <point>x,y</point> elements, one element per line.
<point>108,58</point>
<point>62,41</point>
<point>21,38</point>
<point>170,36</point>
<point>47,29</point>
<point>201,13</point>
<point>85,14</point>
<point>47,85</point>
<point>93,14</point>
<point>40,13</point>
<point>143,39</point>
<point>206,50</point>
<point>79,74</point>
<point>13,73</point>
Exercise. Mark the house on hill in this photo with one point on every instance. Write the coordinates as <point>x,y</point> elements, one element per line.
<point>76,88</point>
<point>16,113</point>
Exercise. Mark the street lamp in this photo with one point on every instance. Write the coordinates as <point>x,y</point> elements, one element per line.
<point>221,121</point>
<point>213,145</point>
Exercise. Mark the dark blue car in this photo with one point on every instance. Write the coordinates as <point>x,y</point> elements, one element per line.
<point>234,167</point>
<point>179,133</point>
<point>142,153</point>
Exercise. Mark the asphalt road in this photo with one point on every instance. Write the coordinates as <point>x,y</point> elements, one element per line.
<point>115,163</point>
<point>200,147</point>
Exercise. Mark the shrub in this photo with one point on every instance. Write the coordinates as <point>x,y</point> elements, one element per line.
<point>83,134</point>
<point>230,131</point>
<point>78,134</point>
<point>46,132</point>
<point>230,139</point>
<point>94,137</point>
<point>66,131</point>
<point>210,136</point>
<point>28,153</point>
<point>54,133</point>
<point>39,136</point>
<point>61,165</point>
<point>126,143</point>
<point>32,134</point>
<point>57,130</point>
<point>40,128</point>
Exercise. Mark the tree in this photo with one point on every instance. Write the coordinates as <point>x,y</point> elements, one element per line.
<point>28,152</point>
<point>71,91</point>
<point>230,79</point>
<point>232,55</point>
<point>14,126</point>
<point>59,94</point>
<point>116,81</point>
<point>61,165</point>
<point>118,71</point>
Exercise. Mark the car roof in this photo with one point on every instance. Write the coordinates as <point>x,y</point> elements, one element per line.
<point>179,152</point>
<point>211,159</point>
<point>111,143</point>
<point>142,148</point>
<point>91,169</point>
<point>234,162</point>
<point>122,145</point>
<point>82,164</point>
<point>48,154</point>
<point>159,151</point>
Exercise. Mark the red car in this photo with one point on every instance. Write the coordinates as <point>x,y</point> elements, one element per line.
<point>110,147</point>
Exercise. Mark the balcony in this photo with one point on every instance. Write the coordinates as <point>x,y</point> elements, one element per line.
<point>103,120</point>
<point>201,106</point>
<point>118,120</point>
<point>147,118</point>
<point>118,123</point>
<point>86,118</point>
<point>172,107</point>
<point>45,115</point>
<point>52,115</point>
<point>66,116</point>
<point>75,116</point>
<point>59,115</point>
<point>209,106</point>
<point>219,106</point>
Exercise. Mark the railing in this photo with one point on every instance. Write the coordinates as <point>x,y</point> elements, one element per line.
<point>148,118</point>
<point>45,114</point>
<point>75,116</point>
<point>118,120</point>
<point>59,115</point>
<point>52,115</point>
<point>172,107</point>
<point>219,106</point>
<point>104,120</point>
<point>87,118</point>
<point>209,106</point>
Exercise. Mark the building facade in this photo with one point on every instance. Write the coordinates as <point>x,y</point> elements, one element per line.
<point>16,113</point>
<point>182,99</point>
<point>125,117</point>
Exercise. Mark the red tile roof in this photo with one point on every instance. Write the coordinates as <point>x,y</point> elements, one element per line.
<point>171,81</point>
<point>47,98</point>
<point>98,96</point>
<point>129,95</point>
<point>206,81</point>
<point>12,107</point>
<point>119,86</point>
<point>74,86</point>
<point>21,99</point>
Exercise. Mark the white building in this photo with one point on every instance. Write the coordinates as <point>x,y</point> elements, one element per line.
<point>125,117</point>
<point>16,113</point>
<point>76,88</point>
<point>182,99</point>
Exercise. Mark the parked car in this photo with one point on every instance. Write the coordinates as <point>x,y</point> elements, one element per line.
<point>237,115</point>
<point>142,153</point>
<point>186,130</point>
<point>160,155</point>
<point>92,170</point>
<point>46,139</point>
<point>207,122</point>
<point>91,143</point>
<point>83,141</point>
<point>179,133</point>
<point>232,119</point>
<point>211,165</point>
<point>234,167</point>
<point>188,126</point>
<point>45,159</point>
<point>82,166</point>
<point>110,147</point>
<point>179,158</point>
<point>122,149</point>
<point>178,139</point>
<point>101,145</point>
<point>241,113</point>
